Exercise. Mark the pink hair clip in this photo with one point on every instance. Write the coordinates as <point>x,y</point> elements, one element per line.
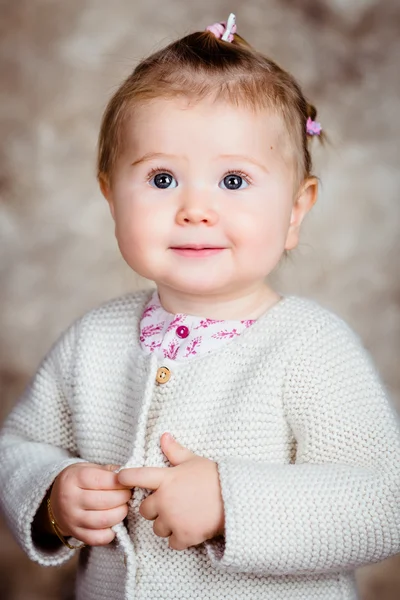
<point>313,127</point>
<point>224,31</point>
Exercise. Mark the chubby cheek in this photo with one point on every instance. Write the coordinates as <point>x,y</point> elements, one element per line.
<point>265,250</point>
<point>141,233</point>
<point>265,230</point>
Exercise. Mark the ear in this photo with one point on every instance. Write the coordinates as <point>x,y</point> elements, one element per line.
<point>105,188</point>
<point>305,200</point>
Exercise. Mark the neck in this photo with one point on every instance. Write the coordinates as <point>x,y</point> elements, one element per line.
<point>248,304</point>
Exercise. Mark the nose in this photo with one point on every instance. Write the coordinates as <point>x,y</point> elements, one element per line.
<point>196,207</point>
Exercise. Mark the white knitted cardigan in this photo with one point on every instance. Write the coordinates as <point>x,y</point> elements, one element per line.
<point>307,446</point>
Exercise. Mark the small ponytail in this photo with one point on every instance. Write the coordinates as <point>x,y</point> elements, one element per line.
<point>311,111</point>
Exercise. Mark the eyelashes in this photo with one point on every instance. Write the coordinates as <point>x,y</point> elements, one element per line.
<point>241,174</point>
<point>157,170</point>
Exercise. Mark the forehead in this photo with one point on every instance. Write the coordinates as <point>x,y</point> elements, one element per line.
<point>205,125</point>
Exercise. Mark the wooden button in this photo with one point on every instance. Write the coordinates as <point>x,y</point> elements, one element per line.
<point>163,375</point>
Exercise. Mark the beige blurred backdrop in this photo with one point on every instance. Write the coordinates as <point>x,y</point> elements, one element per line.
<point>61,61</point>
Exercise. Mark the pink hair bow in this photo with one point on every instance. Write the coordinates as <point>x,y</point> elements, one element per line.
<point>313,127</point>
<point>224,30</point>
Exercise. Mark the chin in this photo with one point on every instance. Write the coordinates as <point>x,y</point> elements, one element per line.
<point>196,287</point>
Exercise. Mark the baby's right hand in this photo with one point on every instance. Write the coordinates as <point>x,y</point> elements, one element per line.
<point>87,500</point>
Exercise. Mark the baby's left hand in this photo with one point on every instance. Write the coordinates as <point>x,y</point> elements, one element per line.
<point>186,504</point>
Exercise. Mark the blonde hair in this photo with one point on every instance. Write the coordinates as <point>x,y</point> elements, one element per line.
<point>200,65</point>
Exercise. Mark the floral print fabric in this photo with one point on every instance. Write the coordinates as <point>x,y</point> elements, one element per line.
<point>180,336</point>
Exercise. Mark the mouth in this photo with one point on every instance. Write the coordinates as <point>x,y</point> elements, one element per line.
<point>197,250</point>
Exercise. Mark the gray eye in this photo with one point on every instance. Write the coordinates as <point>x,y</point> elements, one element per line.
<point>233,182</point>
<point>163,181</point>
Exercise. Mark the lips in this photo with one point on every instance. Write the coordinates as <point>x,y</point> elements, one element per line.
<point>197,247</point>
<point>197,250</point>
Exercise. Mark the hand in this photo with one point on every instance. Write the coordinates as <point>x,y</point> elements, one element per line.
<point>87,500</point>
<point>186,504</point>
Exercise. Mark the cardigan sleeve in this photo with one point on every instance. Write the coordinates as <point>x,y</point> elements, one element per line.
<point>36,444</point>
<point>338,506</point>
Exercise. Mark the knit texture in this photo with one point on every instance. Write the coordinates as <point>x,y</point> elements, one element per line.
<point>306,441</point>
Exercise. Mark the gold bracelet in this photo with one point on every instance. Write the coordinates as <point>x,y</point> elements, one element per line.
<point>57,530</point>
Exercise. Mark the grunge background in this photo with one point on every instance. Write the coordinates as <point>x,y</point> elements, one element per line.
<point>61,61</point>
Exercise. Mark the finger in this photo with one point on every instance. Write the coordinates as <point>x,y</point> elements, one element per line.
<point>149,478</point>
<point>148,508</point>
<point>101,519</point>
<point>174,451</point>
<point>104,499</point>
<point>95,537</point>
<point>161,529</point>
<point>176,544</point>
<point>112,468</point>
<point>98,479</point>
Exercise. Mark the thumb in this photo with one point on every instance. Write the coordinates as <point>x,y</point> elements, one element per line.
<point>175,452</point>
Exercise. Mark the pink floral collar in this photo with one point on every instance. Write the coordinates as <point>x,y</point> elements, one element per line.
<point>180,336</point>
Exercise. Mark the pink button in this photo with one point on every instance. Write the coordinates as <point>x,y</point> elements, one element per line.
<point>182,331</point>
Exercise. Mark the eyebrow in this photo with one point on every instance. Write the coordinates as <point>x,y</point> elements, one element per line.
<point>246,158</point>
<point>152,155</point>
